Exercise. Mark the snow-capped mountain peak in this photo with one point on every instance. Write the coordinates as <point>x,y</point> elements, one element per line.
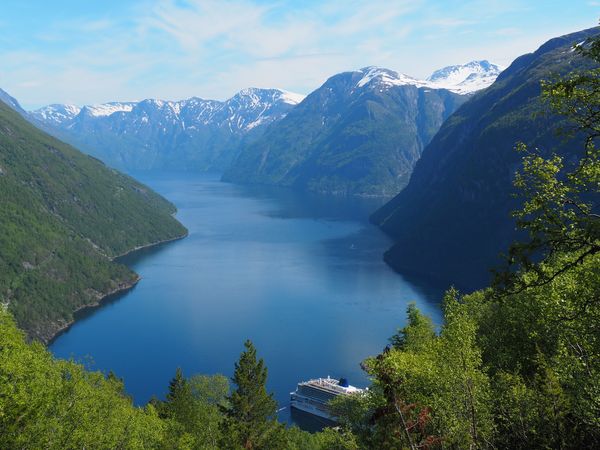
<point>461,79</point>
<point>56,113</point>
<point>247,109</point>
<point>385,77</point>
<point>257,96</point>
<point>106,109</point>
<point>465,78</point>
<point>252,107</point>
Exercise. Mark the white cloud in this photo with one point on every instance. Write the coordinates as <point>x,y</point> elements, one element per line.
<point>177,48</point>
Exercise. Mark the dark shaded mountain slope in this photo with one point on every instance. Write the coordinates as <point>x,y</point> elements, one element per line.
<point>453,219</point>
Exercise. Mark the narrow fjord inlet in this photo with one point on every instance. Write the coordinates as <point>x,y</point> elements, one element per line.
<point>299,274</point>
<point>284,225</point>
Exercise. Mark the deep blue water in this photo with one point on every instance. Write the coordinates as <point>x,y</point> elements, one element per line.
<point>299,274</point>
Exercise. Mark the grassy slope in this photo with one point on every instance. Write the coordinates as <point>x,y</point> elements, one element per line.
<point>63,216</point>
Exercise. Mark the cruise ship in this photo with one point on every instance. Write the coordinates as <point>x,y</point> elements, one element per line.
<point>312,396</point>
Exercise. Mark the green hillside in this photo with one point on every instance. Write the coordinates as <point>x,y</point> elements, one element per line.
<point>63,217</point>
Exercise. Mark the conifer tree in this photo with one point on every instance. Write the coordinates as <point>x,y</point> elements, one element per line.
<point>177,385</point>
<point>250,415</point>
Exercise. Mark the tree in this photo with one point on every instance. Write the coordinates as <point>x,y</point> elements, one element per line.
<point>251,411</point>
<point>418,332</point>
<point>177,386</point>
<point>192,410</point>
<point>429,390</point>
<point>561,210</point>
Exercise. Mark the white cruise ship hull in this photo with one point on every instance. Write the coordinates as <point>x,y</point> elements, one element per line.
<point>311,409</point>
<point>313,396</point>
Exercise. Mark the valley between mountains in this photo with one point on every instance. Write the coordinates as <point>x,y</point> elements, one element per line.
<point>432,245</point>
<point>361,133</point>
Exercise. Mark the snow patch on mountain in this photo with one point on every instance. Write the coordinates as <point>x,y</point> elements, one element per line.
<point>56,113</point>
<point>291,98</point>
<point>107,109</point>
<point>465,78</point>
<point>461,79</point>
<point>386,77</point>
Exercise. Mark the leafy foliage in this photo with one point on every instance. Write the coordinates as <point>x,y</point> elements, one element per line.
<point>561,209</point>
<point>518,364</point>
<point>428,390</point>
<point>57,404</point>
<point>47,403</point>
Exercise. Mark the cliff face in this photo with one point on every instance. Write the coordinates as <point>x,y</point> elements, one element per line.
<point>453,219</point>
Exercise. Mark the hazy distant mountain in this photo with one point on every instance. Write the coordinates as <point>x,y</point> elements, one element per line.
<point>361,132</point>
<point>12,102</point>
<point>155,134</point>
<point>453,218</point>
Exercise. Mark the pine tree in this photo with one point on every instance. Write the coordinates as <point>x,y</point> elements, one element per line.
<point>177,385</point>
<point>179,404</point>
<point>251,412</point>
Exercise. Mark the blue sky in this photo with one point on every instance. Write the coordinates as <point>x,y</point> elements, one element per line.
<point>81,52</point>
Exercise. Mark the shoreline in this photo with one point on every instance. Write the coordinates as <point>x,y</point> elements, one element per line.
<point>107,297</point>
<point>83,309</point>
<point>152,244</point>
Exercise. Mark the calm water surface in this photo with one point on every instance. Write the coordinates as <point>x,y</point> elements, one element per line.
<point>301,275</point>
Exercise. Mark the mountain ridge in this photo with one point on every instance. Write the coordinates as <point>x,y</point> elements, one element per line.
<point>453,218</point>
<point>360,133</point>
<point>193,133</point>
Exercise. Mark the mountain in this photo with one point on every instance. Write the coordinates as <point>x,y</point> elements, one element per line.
<point>157,134</point>
<point>64,216</point>
<point>360,133</point>
<point>12,102</point>
<point>466,78</point>
<point>453,219</point>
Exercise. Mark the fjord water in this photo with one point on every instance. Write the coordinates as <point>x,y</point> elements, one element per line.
<point>301,275</point>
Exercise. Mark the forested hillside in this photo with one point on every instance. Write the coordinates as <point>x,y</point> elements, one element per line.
<point>63,217</point>
<point>516,365</point>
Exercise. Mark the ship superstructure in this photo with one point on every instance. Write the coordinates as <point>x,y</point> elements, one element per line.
<point>313,396</point>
